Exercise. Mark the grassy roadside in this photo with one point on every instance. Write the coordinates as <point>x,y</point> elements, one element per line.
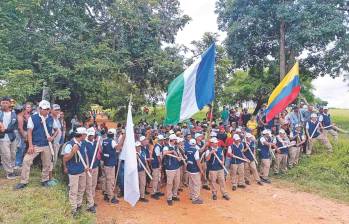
<point>36,204</point>
<point>323,173</point>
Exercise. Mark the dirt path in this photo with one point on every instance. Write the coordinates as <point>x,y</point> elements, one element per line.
<point>253,205</point>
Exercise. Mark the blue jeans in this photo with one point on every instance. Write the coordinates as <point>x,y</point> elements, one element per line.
<point>20,151</point>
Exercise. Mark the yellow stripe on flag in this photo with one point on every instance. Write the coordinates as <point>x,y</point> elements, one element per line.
<point>287,79</point>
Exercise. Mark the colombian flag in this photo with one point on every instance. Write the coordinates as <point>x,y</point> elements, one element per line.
<point>284,94</point>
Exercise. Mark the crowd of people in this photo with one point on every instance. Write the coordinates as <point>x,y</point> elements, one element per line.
<point>236,146</point>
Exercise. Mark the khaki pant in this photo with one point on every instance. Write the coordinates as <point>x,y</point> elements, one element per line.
<point>251,168</point>
<point>265,166</point>
<point>298,154</point>
<point>55,158</point>
<point>205,181</point>
<point>28,161</point>
<point>110,180</point>
<point>323,139</point>
<point>8,155</point>
<point>142,183</point>
<point>91,183</point>
<point>331,132</point>
<point>156,180</point>
<point>194,185</point>
<point>102,179</point>
<point>173,181</point>
<point>217,180</point>
<point>184,176</point>
<point>281,163</point>
<point>237,174</point>
<point>77,185</point>
<point>293,152</point>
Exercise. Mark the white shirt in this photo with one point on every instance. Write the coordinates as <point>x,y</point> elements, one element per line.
<point>57,125</point>
<point>67,149</point>
<point>6,121</point>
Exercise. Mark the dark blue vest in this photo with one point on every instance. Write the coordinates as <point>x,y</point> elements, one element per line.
<point>155,163</point>
<point>109,153</point>
<point>75,165</point>
<point>237,150</point>
<point>213,163</point>
<point>247,153</point>
<point>170,162</point>
<point>192,166</point>
<point>13,125</point>
<point>39,136</point>
<point>142,156</point>
<point>279,144</point>
<point>311,129</point>
<point>90,150</point>
<point>326,121</point>
<point>264,153</point>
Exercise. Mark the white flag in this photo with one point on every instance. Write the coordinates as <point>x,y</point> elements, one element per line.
<point>131,185</point>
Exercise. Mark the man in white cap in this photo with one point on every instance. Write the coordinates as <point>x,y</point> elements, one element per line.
<point>297,135</point>
<point>38,144</point>
<point>329,127</point>
<point>251,166</point>
<point>237,165</point>
<point>202,147</point>
<point>141,154</point>
<point>215,162</point>
<point>58,127</point>
<point>194,169</point>
<point>282,142</point>
<point>172,165</point>
<point>155,163</point>
<point>265,144</point>
<point>312,130</point>
<point>76,169</point>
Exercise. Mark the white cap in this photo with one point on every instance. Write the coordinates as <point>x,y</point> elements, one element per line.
<point>198,135</point>
<point>237,114</point>
<point>142,138</point>
<point>44,104</point>
<point>192,142</point>
<point>238,130</point>
<point>313,115</point>
<point>173,137</point>
<point>81,130</point>
<point>213,134</point>
<point>138,143</point>
<point>298,125</point>
<point>161,137</point>
<point>282,131</point>
<point>112,131</point>
<point>269,132</point>
<point>249,135</point>
<point>180,139</point>
<point>171,132</point>
<point>325,108</point>
<point>265,132</point>
<point>213,140</point>
<point>56,107</point>
<point>91,131</point>
<point>236,137</point>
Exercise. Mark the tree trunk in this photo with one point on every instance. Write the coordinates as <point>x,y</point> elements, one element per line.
<point>282,50</point>
<point>258,106</point>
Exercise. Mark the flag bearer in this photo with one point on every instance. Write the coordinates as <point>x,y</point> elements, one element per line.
<point>215,167</point>
<point>282,142</point>
<point>237,165</point>
<point>156,167</point>
<point>172,170</point>
<point>312,129</point>
<point>76,169</point>
<point>91,183</point>
<point>142,156</point>
<point>250,154</point>
<point>194,169</point>
<point>265,145</point>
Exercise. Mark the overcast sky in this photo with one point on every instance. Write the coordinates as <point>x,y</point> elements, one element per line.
<point>335,91</point>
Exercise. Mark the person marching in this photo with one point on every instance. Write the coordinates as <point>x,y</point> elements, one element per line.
<point>156,167</point>
<point>38,144</point>
<point>110,151</point>
<point>329,127</point>
<point>172,166</point>
<point>90,145</point>
<point>237,165</point>
<point>194,169</point>
<point>282,142</point>
<point>312,130</point>
<point>8,143</point>
<point>215,167</point>
<point>55,113</point>
<point>142,158</point>
<point>201,146</point>
<point>265,146</point>
<point>76,169</point>
<point>250,154</point>
<point>297,136</point>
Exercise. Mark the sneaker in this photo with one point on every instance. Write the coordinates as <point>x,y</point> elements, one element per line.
<point>170,202</point>
<point>260,183</point>
<point>266,181</point>
<point>106,198</point>
<point>114,200</point>
<point>91,209</point>
<point>45,183</point>
<point>206,187</point>
<point>234,188</point>
<point>226,197</point>
<point>197,202</point>
<point>241,186</point>
<point>214,197</point>
<point>20,186</point>
<point>155,196</point>
<point>143,200</point>
<point>11,176</point>
<point>175,198</point>
<point>74,214</point>
<point>247,182</point>
<point>160,194</point>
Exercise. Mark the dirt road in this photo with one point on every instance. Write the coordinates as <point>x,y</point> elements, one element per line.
<point>253,205</point>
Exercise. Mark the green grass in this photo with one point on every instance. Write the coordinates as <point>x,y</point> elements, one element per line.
<point>36,204</point>
<point>323,173</point>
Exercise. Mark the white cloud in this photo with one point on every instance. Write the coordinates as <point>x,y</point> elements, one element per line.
<point>335,91</point>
